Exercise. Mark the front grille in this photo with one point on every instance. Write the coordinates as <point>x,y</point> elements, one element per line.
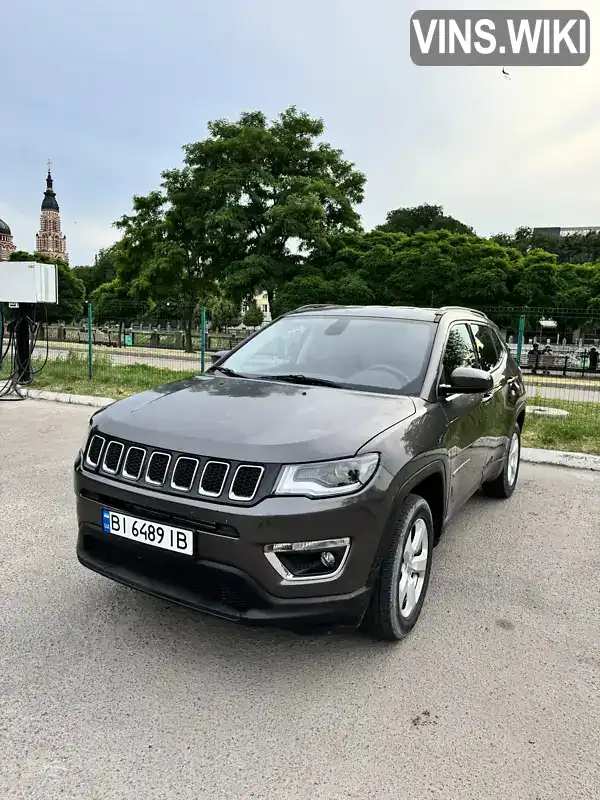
<point>156,471</point>
<point>184,473</point>
<point>175,473</point>
<point>112,457</point>
<point>95,451</point>
<point>134,461</point>
<point>213,478</point>
<point>245,482</point>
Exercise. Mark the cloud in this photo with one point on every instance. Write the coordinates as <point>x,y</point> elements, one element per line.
<point>150,74</point>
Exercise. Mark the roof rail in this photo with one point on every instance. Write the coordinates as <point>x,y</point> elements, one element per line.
<point>465,308</point>
<point>314,306</point>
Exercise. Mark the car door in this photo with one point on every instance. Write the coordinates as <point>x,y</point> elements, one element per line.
<point>466,419</point>
<point>493,359</point>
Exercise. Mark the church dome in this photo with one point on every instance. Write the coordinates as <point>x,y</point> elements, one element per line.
<point>4,229</point>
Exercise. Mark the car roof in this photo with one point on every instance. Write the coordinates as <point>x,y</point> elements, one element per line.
<point>389,312</point>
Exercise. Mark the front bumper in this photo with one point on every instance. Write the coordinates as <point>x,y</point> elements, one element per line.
<point>229,575</point>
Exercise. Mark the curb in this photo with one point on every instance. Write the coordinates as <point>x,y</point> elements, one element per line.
<point>531,455</point>
<point>558,458</point>
<point>73,399</point>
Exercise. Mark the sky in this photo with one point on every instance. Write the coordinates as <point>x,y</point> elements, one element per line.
<point>110,91</point>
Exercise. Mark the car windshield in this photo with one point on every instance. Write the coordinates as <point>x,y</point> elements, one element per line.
<point>364,353</point>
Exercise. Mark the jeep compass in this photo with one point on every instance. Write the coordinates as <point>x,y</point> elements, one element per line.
<point>305,478</point>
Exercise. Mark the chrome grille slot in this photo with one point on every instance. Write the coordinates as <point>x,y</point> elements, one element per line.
<point>245,482</point>
<point>134,461</point>
<point>184,473</point>
<point>112,457</point>
<point>94,451</point>
<point>213,477</point>
<point>156,471</point>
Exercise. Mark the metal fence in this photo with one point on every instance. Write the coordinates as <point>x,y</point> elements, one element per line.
<point>558,351</point>
<point>131,349</point>
<point>127,350</point>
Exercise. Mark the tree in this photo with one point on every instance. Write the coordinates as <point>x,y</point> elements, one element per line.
<point>421,219</point>
<point>253,316</point>
<point>429,269</point>
<point>538,280</point>
<point>279,193</point>
<point>167,246</point>
<point>71,290</point>
<point>103,271</point>
<point>223,313</point>
<point>574,248</point>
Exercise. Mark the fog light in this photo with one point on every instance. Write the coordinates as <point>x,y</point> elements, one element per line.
<point>303,562</point>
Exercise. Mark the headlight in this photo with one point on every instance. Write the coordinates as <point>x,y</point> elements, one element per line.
<point>85,439</point>
<point>87,432</point>
<point>327,478</point>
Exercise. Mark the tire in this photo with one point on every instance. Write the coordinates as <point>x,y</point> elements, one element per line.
<point>384,618</point>
<point>504,485</point>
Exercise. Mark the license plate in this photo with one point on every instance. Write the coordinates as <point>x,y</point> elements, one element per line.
<point>177,540</point>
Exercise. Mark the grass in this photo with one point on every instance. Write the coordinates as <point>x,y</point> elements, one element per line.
<point>70,375</point>
<point>578,433</point>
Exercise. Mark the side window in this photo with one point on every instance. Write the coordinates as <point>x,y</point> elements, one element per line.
<point>459,351</point>
<point>486,346</point>
<point>500,345</point>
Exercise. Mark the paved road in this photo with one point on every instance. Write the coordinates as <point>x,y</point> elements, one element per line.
<point>108,694</point>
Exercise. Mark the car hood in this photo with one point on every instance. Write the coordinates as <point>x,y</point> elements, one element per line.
<point>253,420</point>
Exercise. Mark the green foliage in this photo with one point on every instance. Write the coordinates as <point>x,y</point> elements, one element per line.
<point>437,268</point>
<point>103,271</point>
<point>111,303</point>
<point>280,193</point>
<point>253,316</point>
<point>422,219</point>
<point>21,255</point>
<point>575,248</point>
<point>166,249</point>
<point>223,314</point>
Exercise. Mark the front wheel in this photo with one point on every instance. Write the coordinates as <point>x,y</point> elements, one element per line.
<point>399,593</point>
<point>504,485</point>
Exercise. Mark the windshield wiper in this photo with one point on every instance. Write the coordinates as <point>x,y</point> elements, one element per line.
<point>227,371</point>
<point>305,380</point>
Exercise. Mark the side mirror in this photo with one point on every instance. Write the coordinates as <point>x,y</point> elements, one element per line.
<point>468,380</point>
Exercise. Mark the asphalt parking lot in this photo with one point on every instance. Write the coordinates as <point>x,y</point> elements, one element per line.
<point>108,694</point>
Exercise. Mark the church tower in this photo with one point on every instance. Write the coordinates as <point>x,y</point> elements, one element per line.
<point>50,240</point>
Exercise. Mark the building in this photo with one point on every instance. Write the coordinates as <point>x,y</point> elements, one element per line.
<point>50,241</point>
<point>262,301</point>
<point>6,241</point>
<point>566,231</point>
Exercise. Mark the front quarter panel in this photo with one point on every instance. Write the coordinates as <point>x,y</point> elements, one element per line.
<point>413,445</point>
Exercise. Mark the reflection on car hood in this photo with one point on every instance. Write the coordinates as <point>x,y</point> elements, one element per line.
<point>253,420</point>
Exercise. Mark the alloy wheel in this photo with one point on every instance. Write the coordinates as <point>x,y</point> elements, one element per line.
<point>513,459</point>
<point>414,567</point>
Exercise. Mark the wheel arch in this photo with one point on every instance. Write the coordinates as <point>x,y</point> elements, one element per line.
<point>430,483</point>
